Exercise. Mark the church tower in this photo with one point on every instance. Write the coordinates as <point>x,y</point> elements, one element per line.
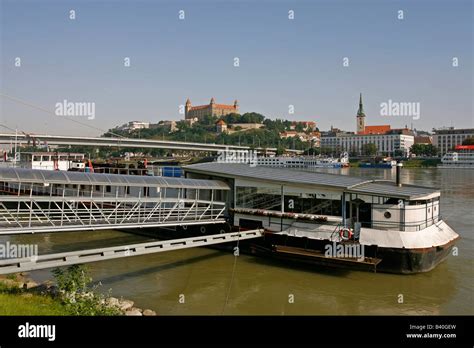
<point>360,117</point>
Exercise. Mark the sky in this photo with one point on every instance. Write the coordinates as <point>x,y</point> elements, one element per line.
<point>282,61</point>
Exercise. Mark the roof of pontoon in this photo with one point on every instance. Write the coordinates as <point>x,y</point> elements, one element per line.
<point>301,177</point>
<point>78,178</point>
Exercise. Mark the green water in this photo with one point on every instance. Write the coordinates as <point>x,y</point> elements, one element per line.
<point>215,282</point>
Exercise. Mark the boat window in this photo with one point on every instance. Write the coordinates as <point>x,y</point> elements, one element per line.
<point>420,202</point>
<point>391,200</point>
<point>258,198</point>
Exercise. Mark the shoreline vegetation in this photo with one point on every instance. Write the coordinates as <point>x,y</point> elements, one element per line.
<point>411,163</point>
<point>72,293</point>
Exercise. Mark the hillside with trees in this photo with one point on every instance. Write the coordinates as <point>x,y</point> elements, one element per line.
<point>204,131</point>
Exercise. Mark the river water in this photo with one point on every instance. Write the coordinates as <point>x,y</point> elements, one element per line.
<point>209,282</point>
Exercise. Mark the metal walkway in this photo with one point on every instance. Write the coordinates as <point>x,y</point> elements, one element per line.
<point>93,255</point>
<point>59,214</point>
<point>33,201</point>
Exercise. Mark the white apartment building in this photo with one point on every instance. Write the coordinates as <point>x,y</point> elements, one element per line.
<point>387,144</point>
<point>446,139</point>
<point>133,125</point>
<point>138,125</point>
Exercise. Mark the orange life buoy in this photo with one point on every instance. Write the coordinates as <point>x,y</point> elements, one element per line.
<point>345,233</point>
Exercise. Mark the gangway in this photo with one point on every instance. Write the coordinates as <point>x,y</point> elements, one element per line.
<point>36,262</point>
<point>33,201</point>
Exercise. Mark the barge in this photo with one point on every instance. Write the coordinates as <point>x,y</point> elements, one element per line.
<point>310,217</point>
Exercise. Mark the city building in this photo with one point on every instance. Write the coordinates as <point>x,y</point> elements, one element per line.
<point>446,139</point>
<point>138,125</point>
<point>363,129</point>
<point>211,109</point>
<point>307,125</point>
<point>423,140</point>
<point>406,131</point>
<point>360,126</point>
<point>133,125</point>
<point>221,126</point>
<point>389,142</point>
<point>382,129</point>
<point>313,137</point>
<point>171,126</point>
<point>288,134</point>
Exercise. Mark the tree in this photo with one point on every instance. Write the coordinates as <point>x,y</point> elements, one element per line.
<point>313,151</point>
<point>231,118</point>
<point>208,120</point>
<point>369,149</point>
<point>424,150</point>
<point>252,117</point>
<point>182,126</point>
<point>417,149</point>
<point>299,127</point>
<point>280,150</point>
<point>398,153</point>
<point>431,150</point>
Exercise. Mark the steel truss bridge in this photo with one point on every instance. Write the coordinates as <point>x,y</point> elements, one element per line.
<point>39,201</point>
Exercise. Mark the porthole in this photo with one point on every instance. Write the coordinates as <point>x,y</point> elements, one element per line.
<point>387,215</point>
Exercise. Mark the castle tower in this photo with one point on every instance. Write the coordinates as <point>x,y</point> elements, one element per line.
<point>236,106</point>
<point>360,117</point>
<point>212,106</point>
<point>187,108</point>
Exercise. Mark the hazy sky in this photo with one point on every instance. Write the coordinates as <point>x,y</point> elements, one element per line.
<point>282,62</point>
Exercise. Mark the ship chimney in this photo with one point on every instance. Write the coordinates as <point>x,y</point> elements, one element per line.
<point>399,169</point>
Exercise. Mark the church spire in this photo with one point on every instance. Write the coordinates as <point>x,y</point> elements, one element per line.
<point>360,112</point>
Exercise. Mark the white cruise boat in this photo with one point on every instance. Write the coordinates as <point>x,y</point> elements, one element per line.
<point>305,161</point>
<point>461,158</point>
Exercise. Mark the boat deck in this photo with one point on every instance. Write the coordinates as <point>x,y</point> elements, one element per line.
<point>315,256</point>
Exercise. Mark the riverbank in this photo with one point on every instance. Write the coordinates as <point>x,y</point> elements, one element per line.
<point>421,163</point>
<point>19,295</point>
<point>411,163</point>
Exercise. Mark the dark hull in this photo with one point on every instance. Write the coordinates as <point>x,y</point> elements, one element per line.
<point>387,260</point>
<point>408,261</point>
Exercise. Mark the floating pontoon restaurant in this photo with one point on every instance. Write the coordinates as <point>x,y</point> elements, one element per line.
<point>402,223</point>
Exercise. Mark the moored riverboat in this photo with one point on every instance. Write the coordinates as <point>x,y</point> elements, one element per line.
<point>309,217</point>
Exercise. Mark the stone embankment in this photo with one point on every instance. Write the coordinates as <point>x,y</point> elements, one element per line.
<point>21,281</point>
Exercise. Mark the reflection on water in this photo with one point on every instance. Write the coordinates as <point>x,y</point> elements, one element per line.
<point>262,286</point>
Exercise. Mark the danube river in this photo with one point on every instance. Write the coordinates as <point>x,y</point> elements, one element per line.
<point>209,282</point>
